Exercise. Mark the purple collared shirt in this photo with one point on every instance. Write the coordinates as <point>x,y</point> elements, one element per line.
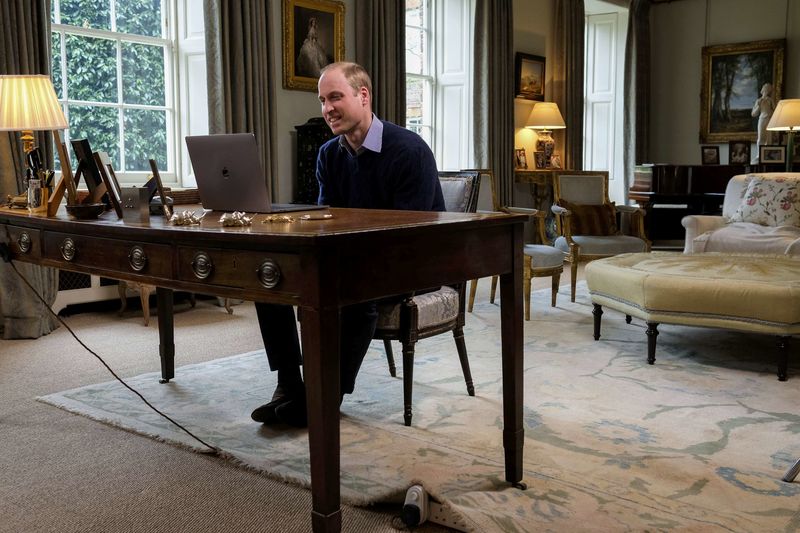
<point>373,141</point>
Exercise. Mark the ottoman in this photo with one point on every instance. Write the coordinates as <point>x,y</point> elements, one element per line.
<point>751,293</point>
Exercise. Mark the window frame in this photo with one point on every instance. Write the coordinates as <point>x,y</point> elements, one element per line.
<point>428,80</point>
<point>167,42</point>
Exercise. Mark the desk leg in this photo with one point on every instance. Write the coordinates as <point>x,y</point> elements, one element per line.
<point>511,328</point>
<point>166,334</point>
<point>320,334</point>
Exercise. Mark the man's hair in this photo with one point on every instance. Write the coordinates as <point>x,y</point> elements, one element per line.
<point>354,73</point>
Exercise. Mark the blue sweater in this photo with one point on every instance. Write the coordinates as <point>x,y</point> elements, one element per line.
<point>402,176</point>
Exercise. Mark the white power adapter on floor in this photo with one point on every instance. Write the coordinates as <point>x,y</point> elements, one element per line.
<point>419,508</point>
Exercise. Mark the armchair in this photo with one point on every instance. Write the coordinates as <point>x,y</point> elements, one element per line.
<point>760,214</point>
<point>587,225</point>
<point>422,315</point>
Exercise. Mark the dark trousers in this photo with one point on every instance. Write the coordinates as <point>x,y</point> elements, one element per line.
<point>279,332</point>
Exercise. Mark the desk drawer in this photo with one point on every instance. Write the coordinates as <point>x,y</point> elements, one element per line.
<point>109,254</point>
<point>240,269</point>
<point>25,242</point>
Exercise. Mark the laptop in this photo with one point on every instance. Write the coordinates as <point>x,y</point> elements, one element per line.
<point>229,175</point>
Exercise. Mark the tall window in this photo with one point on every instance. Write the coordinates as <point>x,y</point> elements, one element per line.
<point>439,54</point>
<point>419,82</point>
<point>113,72</point>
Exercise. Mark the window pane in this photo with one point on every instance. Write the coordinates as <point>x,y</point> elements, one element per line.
<point>416,51</point>
<point>418,102</point>
<point>142,74</point>
<point>140,17</point>
<point>100,125</point>
<point>55,53</point>
<point>145,138</point>
<point>91,70</point>
<point>86,13</point>
<point>424,132</point>
<point>416,13</point>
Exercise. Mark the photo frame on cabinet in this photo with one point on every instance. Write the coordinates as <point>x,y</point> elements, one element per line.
<point>520,160</point>
<point>529,76</point>
<point>732,78</point>
<point>313,37</point>
<point>769,154</point>
<point>709,155</point>
<point>738,152</point>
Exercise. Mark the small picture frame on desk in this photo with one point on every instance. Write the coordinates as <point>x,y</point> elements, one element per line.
<point>769,154</point>
<point>709,155</point>
<point>520,159</point>
<point>540,160</point>
<point>555,162</point>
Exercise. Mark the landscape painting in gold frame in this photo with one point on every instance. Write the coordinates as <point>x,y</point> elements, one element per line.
<point>732,78</point>
<point>313,36</point>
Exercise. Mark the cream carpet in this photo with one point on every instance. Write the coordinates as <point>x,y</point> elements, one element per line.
<point>697,442</point>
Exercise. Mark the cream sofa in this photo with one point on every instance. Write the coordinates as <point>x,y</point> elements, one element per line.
<point>760,215</point>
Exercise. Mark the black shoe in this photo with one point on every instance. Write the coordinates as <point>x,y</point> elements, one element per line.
<point>293,412</point>
<point>266,413</point>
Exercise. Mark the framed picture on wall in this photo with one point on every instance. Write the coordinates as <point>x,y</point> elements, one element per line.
<point>732,78</point>
<point>313,37</point>
<point>772,154</point>
<point>529,76</point>
<point>709,155</point>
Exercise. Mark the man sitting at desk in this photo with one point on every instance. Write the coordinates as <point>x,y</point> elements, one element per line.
<point>371,164</point>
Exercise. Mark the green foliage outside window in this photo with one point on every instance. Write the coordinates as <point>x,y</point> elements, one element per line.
<point>91,67</point>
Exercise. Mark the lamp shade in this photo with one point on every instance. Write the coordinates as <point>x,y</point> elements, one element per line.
<point>29,103</point>
<point>545,116</point>
<point>786,116</point>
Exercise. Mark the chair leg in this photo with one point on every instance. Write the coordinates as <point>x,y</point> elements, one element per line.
<point>494,289</point>
<point>387,345</point>
<point>473,288</point>
<point>458,335</point>
<point>408,380</point>
<point>526,286</point>
<point>121,289</point>
<point>554,290</point>
<point>144,296</point>
<point>574,280</point>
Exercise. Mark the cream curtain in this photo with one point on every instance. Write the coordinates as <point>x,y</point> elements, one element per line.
<point>241,88</point>
<point>381,49</point>
<point>568,42</point>
<point>494,93</point>
<point>24,49</point>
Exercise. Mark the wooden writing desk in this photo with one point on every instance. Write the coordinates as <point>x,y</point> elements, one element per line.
<point>317,265</point>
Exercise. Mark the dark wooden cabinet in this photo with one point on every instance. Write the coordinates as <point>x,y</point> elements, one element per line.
<point>310,136</point>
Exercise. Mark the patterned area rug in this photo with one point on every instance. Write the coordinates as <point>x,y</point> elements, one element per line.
<point>698,441</point>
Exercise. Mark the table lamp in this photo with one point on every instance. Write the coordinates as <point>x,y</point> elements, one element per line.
<point>786,117</point>
<point>28,103</point>
<point>545,117</point>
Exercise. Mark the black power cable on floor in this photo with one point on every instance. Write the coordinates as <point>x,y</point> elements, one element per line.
<point>5,254</point>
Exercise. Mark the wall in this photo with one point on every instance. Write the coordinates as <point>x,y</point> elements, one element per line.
<point>532,22</point>
<point>296,107</point>
<point>679,31</point>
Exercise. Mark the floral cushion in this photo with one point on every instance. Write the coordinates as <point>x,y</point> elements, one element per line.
<point>770,202</point>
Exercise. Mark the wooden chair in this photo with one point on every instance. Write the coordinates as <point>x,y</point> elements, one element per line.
<point>587,222</point>
<point>422,315</point>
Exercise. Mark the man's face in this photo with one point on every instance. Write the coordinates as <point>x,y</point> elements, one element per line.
<point>343,108</point>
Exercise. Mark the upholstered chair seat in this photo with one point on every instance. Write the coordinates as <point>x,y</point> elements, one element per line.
<point>433,309</point>
<point>603,245</point>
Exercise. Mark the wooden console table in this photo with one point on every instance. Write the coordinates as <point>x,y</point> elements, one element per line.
<point>318,265</point>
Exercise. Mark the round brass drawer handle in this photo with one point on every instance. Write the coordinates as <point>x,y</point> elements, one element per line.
<point>137,258</point>
<point>269,275</point>
<point>202,266</point>
<point>24,242</point>
<point>68,249</point>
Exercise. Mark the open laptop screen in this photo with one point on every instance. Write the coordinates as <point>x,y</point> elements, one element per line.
<point>229,174</point>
